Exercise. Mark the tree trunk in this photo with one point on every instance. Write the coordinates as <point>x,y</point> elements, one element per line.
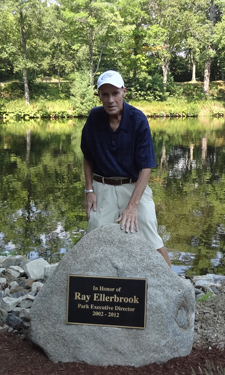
<point>59,78</point>
<point>26,87</point>
<point>58,67</point>
<point>212,17</point>
<point>134,76</point>
<point>163,161</point>
<point>191,147</point>
<point>193,79</point>
<point>165,69</point>
<point>91,56</point>
<point>207,76</point>
<point>28,148</point>
<point>204,150</point>
<point>25,79</point>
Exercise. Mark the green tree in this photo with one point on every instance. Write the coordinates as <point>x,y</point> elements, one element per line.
<point>56,53</point>
<point>164,31</point>
<point>197,30</point>
<point>219,40</point>
<point>20,26</point>
<point>133,49</point>
<point>93,24</point>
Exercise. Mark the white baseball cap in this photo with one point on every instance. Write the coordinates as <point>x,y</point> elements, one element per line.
<point>112,78</point>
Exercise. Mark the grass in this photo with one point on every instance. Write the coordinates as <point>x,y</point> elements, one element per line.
<point>206,297</point>
<point>181,108</point>
<point>210,369</point>
<point>50,102</point>
<point>61,108</point>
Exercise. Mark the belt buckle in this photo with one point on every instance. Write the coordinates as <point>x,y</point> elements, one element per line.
<point>103,180</point>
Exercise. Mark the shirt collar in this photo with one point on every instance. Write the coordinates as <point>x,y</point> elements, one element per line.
<point>125,121</point>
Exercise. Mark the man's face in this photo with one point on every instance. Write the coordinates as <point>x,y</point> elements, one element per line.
<point>112,98</point>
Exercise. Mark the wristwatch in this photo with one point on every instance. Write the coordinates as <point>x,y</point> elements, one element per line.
<point>88,191</point>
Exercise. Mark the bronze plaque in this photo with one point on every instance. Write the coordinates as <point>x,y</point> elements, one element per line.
<point>107,301</point>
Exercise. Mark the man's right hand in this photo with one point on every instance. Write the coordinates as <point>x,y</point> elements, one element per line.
<point>90,203</point>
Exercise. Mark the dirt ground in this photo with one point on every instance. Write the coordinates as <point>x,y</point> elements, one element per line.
<point>20,356</point>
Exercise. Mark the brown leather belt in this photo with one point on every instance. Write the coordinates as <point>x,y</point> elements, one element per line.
<point>113,181</point>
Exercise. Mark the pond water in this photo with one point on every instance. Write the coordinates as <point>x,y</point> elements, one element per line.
<point>42,190</point>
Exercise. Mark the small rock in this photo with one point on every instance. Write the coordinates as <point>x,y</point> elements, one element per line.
<point>205,283</point>
<point>17,289</point>
<point>25,315</point>
<point>9,303</point>
<point>17,269</point>
<point>3,315</point>
<point>215,290</point>
<point>12,261</point>
<point>207,277</point>
<point>16,311</point>
<point>2,282</point>
<point>2,257</point>
<point>15,274</point>
<point>198,291</point>
<point>26,304</point>
<point>7,292</point>
<point>200,296</point>
<point>4,328</point>
<point>17,294</point>
<point>2,270</point>
<point>28,296</point>
<point>26,325</point>
<point>13,284</point>
<point>27,283</point>
<point>25,261</point>
<point>36,286</point>
<point>35,269</point>
<point>14,322</point>
<point>8,276</point>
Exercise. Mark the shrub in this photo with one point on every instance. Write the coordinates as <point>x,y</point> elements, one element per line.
<point>147,88</point>
<point>82,93</point>
<point>14,90</point>
<point>50,91</point>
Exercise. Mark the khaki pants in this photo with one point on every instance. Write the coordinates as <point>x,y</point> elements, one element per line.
<point>111,202</point>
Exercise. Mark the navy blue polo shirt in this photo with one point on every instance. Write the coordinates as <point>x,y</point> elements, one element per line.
<point>124,152</point>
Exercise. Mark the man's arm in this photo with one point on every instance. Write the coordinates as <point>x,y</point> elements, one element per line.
<point>90,198</point>
<point>128,218</point>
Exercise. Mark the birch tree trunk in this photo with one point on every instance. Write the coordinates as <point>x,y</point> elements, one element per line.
<point>165,69</point>
<point>193,79</point>
<point>207,71</point>
<point>204,150</point>
<point>25,79</point>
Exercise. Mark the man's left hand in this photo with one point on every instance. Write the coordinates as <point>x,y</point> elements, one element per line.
<point>128,219</point>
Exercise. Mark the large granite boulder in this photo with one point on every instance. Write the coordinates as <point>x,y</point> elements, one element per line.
<point>108,251</point>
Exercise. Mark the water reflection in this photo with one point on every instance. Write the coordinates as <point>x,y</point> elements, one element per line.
<point>189,189</point>
<point>42,182</point>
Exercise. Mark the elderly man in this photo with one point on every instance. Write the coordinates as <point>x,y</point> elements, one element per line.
<point>118,157</point>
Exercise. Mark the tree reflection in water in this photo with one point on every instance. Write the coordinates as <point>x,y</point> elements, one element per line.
<point>42,183</point>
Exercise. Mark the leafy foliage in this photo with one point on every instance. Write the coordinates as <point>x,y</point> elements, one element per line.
<point>82,93</point>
